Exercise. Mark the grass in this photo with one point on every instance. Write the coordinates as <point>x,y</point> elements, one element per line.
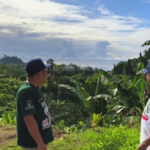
<point>113,138</point>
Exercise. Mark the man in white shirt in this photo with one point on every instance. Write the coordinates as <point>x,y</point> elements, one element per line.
<point>145,120</point>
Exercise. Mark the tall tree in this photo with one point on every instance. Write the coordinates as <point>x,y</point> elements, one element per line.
<point>128,69</point>
<point>144,60</point>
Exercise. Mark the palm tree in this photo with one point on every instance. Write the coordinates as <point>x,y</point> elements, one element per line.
<point>53,81</point>
<point>50,61</point>
<point>74,66</point>
<point>146,43</point>
<point>96,69</point>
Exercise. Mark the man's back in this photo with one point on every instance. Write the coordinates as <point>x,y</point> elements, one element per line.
<point>30,100</point>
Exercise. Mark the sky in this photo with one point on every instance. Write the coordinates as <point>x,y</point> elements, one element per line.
<point>97,33</point>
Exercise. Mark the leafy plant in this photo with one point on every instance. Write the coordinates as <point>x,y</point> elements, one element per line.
<point>4,119</point>
<point>96,119</point>
<point>8,118</point>
<point>61,125</point>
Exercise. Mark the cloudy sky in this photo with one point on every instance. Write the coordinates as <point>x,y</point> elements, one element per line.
<point>97,33</point>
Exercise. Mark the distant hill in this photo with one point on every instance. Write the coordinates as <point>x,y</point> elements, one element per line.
<point>11,60</point>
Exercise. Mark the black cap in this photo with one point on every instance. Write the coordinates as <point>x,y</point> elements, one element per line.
<point>35,65</point>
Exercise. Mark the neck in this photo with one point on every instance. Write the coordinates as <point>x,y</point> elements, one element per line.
<point>33,82</point>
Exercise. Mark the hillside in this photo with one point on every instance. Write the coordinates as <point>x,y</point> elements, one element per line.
<point>11,60</point>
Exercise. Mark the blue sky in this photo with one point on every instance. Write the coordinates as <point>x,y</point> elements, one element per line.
<point>96,33</point>
<point>137,8</point>
<point>121,7</point>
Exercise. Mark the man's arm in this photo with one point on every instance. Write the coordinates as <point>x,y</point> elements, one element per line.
<point>144,144</point>
<point>34,131</point>
<point>33,128</point>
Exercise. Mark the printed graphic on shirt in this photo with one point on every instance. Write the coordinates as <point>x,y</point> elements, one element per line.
<point>146,111</point>
<point>29,105</point>
<point>40,100</point>
<point>46,123</point>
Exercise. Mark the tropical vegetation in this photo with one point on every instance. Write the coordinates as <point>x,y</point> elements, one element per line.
<point>89,104</point>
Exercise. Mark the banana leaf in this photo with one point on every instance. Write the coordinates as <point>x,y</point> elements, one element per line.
<point>127,97</point>
<point>72,90</point>
<point>138,78</point>
<point>81,93</point>
<point>108,77</point>
<point>104,96</point>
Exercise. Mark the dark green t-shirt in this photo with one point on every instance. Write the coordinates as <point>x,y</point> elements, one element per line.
<point>30,100</point>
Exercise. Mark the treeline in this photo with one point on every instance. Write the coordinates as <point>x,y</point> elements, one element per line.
<point>124,67</point>
<point>130,67</point>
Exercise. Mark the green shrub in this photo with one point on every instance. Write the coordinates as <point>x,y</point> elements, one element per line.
<point>9,117</point>
<point>113,138</point>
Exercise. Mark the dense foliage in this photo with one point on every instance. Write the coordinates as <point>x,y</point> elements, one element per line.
<point>129,67</point>
<point>76,98</point>
<point>83,98</point>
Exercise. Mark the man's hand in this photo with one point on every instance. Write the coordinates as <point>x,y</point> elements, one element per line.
<point>145,144</point>
<point>142,146</point>
<point>42,147</point>
<point>48,76</point>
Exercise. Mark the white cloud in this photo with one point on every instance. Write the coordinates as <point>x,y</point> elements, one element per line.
<point>49,19</point>
<point>104,10</point>
<point>39,10</point>
<point>6,31</point>
<point>97,2</point>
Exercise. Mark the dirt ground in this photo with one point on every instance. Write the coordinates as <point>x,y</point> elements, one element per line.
<point>8,133</point>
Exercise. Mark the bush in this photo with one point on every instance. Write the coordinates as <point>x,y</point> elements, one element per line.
<point>8,117</point>
<point>113,138</point>
<point>22,77</point>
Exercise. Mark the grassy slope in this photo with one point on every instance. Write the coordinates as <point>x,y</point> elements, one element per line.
<point>117,138</point>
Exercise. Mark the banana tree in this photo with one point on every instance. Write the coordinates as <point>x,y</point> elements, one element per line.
<point>93,104</point>
<point>88,104</point>
<point>73,108</point>
<point>132,97</point>
<point>80,95</point>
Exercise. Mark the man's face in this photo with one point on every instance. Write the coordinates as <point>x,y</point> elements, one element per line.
<point>148,77</point>
<point>42,76</point>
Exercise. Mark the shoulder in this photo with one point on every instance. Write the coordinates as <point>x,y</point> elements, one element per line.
<point>24,89</point>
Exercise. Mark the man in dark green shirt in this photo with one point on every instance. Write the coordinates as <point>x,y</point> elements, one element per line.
<point>34,130</point>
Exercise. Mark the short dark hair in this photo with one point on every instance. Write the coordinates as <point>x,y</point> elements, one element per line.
<point>30,75</point>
